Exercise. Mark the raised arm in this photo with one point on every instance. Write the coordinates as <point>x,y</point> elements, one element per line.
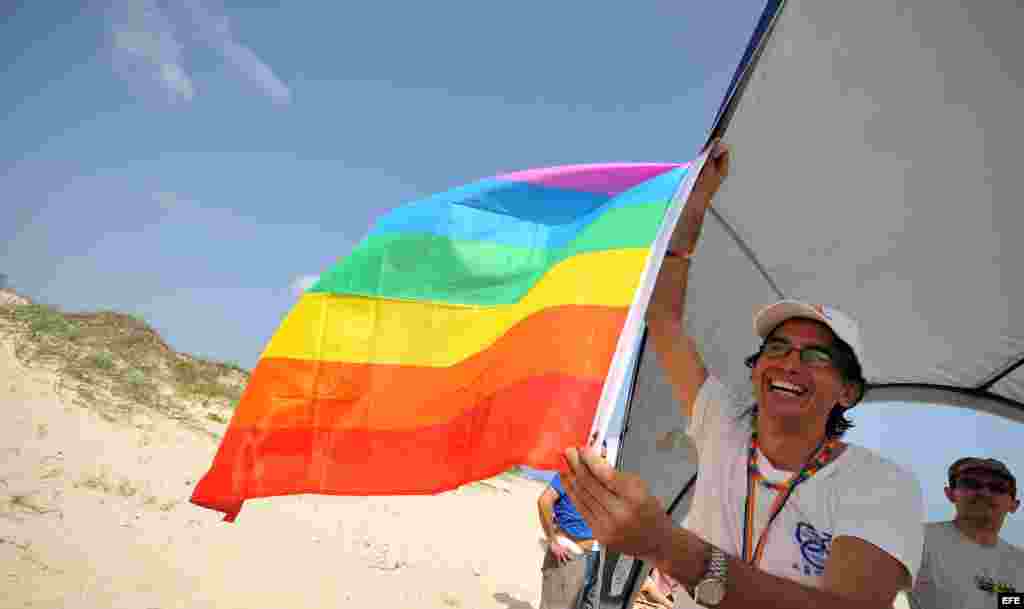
<point>676,350</point>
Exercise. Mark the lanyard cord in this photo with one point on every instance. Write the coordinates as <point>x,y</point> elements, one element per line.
<point>824,454</point>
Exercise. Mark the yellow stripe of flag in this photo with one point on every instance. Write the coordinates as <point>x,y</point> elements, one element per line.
<point>369,330</point>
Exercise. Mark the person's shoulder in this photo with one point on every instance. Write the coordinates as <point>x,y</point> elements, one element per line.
<point>714,388</point>
<point>940,531</point>
<point>717,395</point>
<point>863,460</point>
<point>1011,550</point>
<point>869,467</point>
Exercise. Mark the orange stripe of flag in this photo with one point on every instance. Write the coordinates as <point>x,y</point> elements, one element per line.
<point>570,341</point>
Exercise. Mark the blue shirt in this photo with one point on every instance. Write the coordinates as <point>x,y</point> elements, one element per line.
<point>567,517</point>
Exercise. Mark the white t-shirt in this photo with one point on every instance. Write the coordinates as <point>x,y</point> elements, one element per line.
<point>860,494</point>
<point>953,566</point>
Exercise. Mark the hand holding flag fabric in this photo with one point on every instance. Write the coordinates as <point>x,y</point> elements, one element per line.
<point>618,506</point>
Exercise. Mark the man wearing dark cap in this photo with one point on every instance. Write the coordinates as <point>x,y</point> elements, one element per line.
<point>965,562</point>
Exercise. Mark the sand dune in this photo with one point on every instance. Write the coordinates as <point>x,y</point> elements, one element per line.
<point>94,513</point>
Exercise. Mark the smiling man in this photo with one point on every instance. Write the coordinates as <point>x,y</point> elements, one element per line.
<point>965,562</point>
<point>785,514</point>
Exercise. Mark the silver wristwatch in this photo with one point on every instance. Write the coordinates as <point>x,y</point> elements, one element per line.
<point>711,590</point>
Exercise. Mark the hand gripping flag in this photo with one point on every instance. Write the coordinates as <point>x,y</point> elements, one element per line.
<point>469,332</point>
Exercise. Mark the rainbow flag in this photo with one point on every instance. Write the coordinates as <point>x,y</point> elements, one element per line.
<point>469,332</point>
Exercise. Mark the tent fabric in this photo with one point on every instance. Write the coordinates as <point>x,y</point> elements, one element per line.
<point>876,157</point>
<point>876,167</point>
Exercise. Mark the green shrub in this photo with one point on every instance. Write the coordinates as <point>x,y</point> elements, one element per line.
<point>185,372</point>
<point>214,390</point>
<point>135,377</point>
<point>45,320</point>
<point>236,367</point>
<point>102,360</point>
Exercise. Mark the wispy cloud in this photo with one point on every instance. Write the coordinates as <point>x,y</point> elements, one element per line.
<point>153,38</point>
<point>303,282</point>
<point>246,61</point>
<point>214,28</point>
<point>145,44</point>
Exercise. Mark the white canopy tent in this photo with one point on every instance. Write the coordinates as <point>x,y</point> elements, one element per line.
<point>878,166</point>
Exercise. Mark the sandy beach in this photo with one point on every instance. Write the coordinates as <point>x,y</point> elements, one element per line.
<point>94,513</point>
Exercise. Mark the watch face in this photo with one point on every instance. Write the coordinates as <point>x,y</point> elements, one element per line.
<point>710,592</point>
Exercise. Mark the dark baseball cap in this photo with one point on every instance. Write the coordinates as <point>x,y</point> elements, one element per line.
<point>993,466</point>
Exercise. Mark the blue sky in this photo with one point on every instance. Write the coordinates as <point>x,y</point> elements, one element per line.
<point>192,161</point>
<point>189,161</point>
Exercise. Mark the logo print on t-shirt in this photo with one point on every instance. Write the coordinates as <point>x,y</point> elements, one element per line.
<point>814,548</point>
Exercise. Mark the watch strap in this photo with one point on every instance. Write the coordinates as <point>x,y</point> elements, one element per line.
<point>714,580</point>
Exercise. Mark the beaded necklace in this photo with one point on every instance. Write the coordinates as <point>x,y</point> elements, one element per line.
<point>825,453</point>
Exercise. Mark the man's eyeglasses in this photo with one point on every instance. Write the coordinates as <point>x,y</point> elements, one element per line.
<point>812,355</point>
<point>996,487</point>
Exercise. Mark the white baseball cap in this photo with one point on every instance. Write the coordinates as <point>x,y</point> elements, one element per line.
<point>768,318</point>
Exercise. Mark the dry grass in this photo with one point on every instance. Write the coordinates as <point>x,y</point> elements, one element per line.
<point>29,555</point>
<point>167,506</point>
<point>97,482</point>
<point>27,503</point>
<point>216,417</point>
<point>126,489</point>
<point>104,482</point>
<point>50,473</point>
<point>18,505</point>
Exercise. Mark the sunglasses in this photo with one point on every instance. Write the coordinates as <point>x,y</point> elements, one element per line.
<point>812,355</point>
<point>973,484</point>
